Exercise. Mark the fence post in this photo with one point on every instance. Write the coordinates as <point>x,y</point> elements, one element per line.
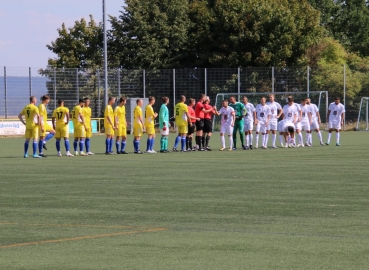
<point>144,82</point>
<point>118,73</point>
<point>5,94</point>
<point>308,81</point>
<point>77,85</point>
<point>30,81</point>
<point>239,82</point>
<point>344,95</point>
<point>206,81</point>
<point>272,79</point>
<point>174,90</point>
<point>98,94</point>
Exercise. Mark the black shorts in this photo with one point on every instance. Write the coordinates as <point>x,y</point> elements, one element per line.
<point>191,128</point>
<point>208,126</point>
<point>200,125</point>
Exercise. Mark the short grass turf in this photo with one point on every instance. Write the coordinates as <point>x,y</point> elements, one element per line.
<point>305,208</point>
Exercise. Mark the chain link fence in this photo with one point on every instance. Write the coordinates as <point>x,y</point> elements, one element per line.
<point>18,83</point>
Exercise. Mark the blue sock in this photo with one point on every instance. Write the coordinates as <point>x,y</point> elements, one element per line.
<point>107,145</point>
<point>111,145</point>
<point>34,148</point>
<point>178,138</point>
<point>26,147</point>
<point>148,144</point>
<point>67,146</point>
<point>123,146</point>
<point>58,145</point>
<point>117,145</point>
<point>75,145</point>
<point>49,136</point>
<point>81,145</point>
<point>40,144</point>
<point>136,144</point>
<point>152,143</point>
<point>183,143</point>
<point>87,144</point>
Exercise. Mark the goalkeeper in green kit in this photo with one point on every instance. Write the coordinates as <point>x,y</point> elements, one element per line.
<point>164,125</point>
<point>238,125</point>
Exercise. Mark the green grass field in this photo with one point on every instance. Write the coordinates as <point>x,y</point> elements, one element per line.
<point>262,209</point>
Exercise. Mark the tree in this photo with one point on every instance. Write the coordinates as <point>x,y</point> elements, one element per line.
<point>231,33</point>
<point>149,34</point>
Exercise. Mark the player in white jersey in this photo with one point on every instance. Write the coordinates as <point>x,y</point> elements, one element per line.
<point>315,121</point>
<point>336,112</point>
<point>298,125</point>
<point>287,133</point>
<point>290,114</point>
<point>305,120</point>
<point>262,121</point>
<point>227,123</point>
<point>276,112</point>
<point>248,122</point>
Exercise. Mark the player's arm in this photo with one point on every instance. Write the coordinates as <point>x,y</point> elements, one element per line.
<point>342,118</point>
<point>20,116</point>
<point>295,117</point>
<point>254,115</point>
<point>310,118</point>
<point>83,120</point>
<point>268,119</point>
<point>256,121</point>
<point>280,113</point>
<point>329,113</point>
<point>299,115</point>
<point>68,118</point>
<point>53,122</point>
<point>318,116</point>
<point>216,112</point>
<point>234,118</point>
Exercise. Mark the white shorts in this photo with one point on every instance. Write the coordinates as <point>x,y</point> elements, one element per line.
<point>164,132</point>
<point>261,127</point>
<point>298,126</point>
<point>228,129</point>
<point>248,125</point>
<point>314,125</point>
<point>334,125</point>
<point>273,125</point>
<point>305,126</point>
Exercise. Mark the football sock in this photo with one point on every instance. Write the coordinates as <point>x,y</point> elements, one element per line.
<point>263,139</point>
<point>166,143</point>
<point>251,136</point>
<point>247,140</point>
<point>148,144</point>
<point>162,143</point>
<point>310,138</point>
<point>222,141</point>
<point>329,137</point>
<point>187,142</point>
<point>307,138</point>
<point>274,138</point>
<point>241,138</point>
<point>257,140</point>
<point>207,141</point>
<point>234,139</point>
<point>203,140</point>
<point>87,145</point>
<point>281,139</point>
<point>123,146</point>
<point>66,144</point>
<point>117,145</point>
<point>337,137</point>
<point>320,136</point>
<point>26,147</point>
<point>111,145</point>
<point>35,148</point>
<point>183,142</point>
<point>48,137</point>
<point>136,145</point>
<point>81,145</point>
<point>106,145</point>
<point>178,138</point>
<point>190,142</point>
<point>230,142</point>
<point>57,145</point>
<point>75,144</point>
<point>40,144</point>
<point>301,141</point>
<point>266,139</point>
<point>152,143</point>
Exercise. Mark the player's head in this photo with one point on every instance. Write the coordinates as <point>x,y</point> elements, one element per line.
<point>183,98</point>
<point>122,101</point>
<point>81,102</point>
<point>337,100</point>
<point>202,97</point>
<point>290,100</point>
<point>111,100</point>
<point>232,99</point>
<point>303,101</point>
<point>271,97</point>
<point>165,100</point>
<point>291,129</point>
<point>308,100</point>
<point>45,99</point>
<point>263,100</point>
<point>33,99</point>
<point>151,100</point>
<point>207,100</point>
<point>60,103</point>
<point>191,102</point>
<point>139,102</point>
<point>87,102</point>
<point>225,103</point>
<point>245,100</point>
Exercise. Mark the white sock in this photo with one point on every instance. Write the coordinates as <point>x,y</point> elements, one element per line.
<point>329,137</point>
<point>263,136</point>
<point>266,139</point>
<point>311,138</point>
<point>300,138</point>
<point>274,138</point>
<point>257,140</point>
<point>281,139</point>
<point>222,140</point>
<point>247,140</point>
<point>320,136</point>
<point>251,138</point>
<point>230,141</point>
<point>307,138</point>
<point>337,137</point>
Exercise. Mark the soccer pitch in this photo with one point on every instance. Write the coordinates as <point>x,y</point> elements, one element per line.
<point>302,208</point>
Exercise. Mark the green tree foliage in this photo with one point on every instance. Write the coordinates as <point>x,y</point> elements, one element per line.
<point>150,34</point>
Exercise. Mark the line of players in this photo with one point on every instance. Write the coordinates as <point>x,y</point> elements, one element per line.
<point>235,117</point>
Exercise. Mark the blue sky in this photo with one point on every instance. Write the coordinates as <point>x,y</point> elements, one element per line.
<point>28,25</point>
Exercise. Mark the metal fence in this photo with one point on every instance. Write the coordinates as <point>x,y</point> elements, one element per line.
<point>17,84</point>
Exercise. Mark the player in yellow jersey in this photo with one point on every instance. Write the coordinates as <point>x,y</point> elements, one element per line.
<point>182,119</point>
<point>137,126</point>
<point>42,108</point>
<point>121,125</point>
<point>109,125</point>
<point>32,115</point>
<point>61,115</point>
<point>150,116</point>
<point>79,128</point>
<point>87,114</point>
